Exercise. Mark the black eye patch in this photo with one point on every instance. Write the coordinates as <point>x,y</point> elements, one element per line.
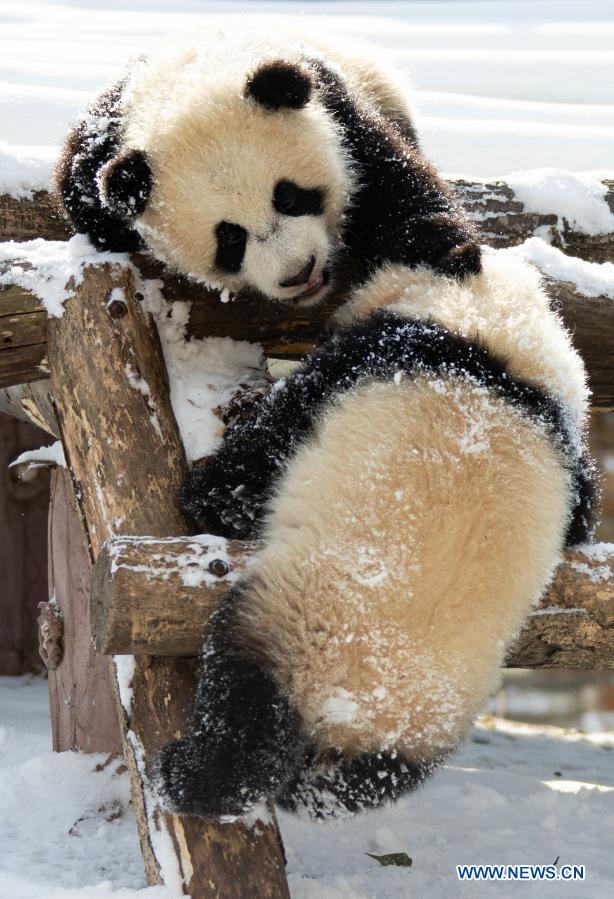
<point>231,240</point>
<point>290,199</point>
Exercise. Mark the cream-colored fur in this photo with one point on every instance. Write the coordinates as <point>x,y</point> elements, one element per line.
<point>411,536</point>
<point>505,308</point>
<point>217,156</point>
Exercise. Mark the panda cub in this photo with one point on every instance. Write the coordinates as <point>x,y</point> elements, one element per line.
<point>414,484</point>
<point>226,156</point>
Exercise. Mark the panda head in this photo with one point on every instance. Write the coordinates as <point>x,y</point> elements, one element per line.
<point>242,188</point>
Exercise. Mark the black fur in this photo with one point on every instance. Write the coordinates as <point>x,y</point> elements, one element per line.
<point>290,199</point>
<point>279,84</point>
<point>125,183</point>
<point>402,212</point>
<point>89,148</point>
<point>333,785</point>
<point>245,741</point>
<point>229,493</point>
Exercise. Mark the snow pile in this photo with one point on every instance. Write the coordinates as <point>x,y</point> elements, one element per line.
<point>45,455</point>
<point>44,267</point>
<point>25,169</point>
<point>576,197</point>
<point>203,374</point>
<point>524,794</point>
<point>593,279</point>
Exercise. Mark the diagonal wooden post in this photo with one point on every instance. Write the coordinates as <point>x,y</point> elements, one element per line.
<point>126,460</point>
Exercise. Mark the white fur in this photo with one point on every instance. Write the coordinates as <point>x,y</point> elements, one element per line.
<point>216,155</point>
<point>505,308</point>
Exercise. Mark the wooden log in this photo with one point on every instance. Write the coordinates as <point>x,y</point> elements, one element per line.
<point>23,550</point>
<point>81,692</point>
<point>502,219</point>
<point>26,218</point>
<point>152,596</point>
<point>574,625</point>
<point>286,332</point>
<point>126,461</point>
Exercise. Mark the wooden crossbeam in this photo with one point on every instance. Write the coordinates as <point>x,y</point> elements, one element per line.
<point>501,217</point>
<point>288,332</point>
<point>154,597</point>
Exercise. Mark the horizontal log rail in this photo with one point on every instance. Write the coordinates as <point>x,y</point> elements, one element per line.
<point>153,597</point>
<point>287,332</point>
<point>501,217</point>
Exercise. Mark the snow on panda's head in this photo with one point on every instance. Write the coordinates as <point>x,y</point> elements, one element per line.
<point>249,184</point>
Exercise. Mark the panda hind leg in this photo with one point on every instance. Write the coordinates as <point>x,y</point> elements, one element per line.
<point>331,785</point>
<point>244,741</point>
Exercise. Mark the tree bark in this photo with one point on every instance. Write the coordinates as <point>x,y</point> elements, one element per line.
<point>126,461</point>
<point>152,596</point>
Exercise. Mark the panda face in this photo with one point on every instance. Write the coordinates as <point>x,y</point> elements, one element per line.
<point>272,262</point>
<point>249,191</point>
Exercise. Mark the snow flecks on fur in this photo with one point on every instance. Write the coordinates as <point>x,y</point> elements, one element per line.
<point>45,267</point>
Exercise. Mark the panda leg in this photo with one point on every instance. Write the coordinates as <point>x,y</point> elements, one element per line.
<point>333,786</point>
<point>244,741</point>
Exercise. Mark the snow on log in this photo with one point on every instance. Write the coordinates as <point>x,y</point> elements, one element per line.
<point>504,213</point>
<point>153,597</point>
<point>284,332</point>
<point>126,461</point>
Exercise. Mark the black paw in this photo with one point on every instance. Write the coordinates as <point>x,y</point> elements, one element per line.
<point>331,785</point>
<point>200,779</point>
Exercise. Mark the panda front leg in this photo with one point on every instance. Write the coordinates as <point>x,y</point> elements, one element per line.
<point>244,740</point>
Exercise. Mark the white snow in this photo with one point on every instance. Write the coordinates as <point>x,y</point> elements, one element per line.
<point>593,279</point>
<point>515,793</point>
<point>44,455</point>
<point>576,197</point>
<point>45,267</point>
<point>498,86</point>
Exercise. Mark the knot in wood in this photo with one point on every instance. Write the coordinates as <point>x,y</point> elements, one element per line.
<point>117,308</point>
<point>50,634</point>
<point>219,567</point>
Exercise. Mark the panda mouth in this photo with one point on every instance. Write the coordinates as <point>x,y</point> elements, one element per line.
<point>313,287</point>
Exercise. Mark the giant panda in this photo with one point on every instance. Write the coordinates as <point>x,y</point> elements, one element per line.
<point>414,484</point>
<point>225,155</point>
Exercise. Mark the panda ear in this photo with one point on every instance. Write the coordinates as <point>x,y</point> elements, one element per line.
<point>279,85</point>
<point>125,184</point>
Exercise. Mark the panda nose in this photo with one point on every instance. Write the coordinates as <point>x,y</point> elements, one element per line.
<point>302,277</point>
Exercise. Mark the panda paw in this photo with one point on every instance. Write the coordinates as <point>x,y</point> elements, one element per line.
<point>216,506</point>
<point>191,780</point>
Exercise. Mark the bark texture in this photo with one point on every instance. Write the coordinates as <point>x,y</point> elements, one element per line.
<point>126,461</point>
<point>155,597</point>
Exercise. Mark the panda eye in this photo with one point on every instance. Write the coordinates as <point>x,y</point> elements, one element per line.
<point>285,199</point>
<point>231,241</point>
<point>290,199</point>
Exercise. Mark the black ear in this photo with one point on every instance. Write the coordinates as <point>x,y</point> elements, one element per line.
<point>461,261</point>
<point>125,184</point>
<point>279,85</point>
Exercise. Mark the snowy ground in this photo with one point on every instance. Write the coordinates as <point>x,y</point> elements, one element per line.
<point>499,86</point>
<point>515,794</point>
